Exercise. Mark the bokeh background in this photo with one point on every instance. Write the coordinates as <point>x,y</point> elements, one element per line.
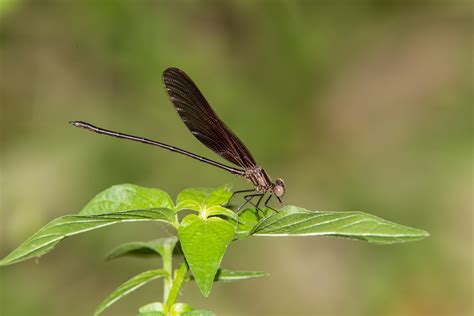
<point>358,105</point>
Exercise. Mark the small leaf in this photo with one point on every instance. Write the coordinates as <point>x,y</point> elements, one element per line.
<point>153,309</point>
<point>199,199</point>
<point>48,237</point>
<point>130,286</point>
<point>204,242</point>
<point>199,312</point>
<point>295,221</point>
<point>219,210</point>
<point>144,248</point>
<point>224,275</point>
<point>180,308</point>
<point>125,197</point>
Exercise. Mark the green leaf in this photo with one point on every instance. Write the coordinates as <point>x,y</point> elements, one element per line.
<point>218,210</point>
<point>48,237</point>
<point>200,199</point>
<point>295,221</point>
<point>204,242</point>
<point>199,312</point>
<point>144,248</point>
<point>130,286</point>
<point>125,197</point>
<point>153,309</point>
<point>248,218</point>
<point>180,308</point>
<point>224,275</point>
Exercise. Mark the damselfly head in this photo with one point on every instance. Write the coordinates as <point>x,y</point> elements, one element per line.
<point>279,188</point>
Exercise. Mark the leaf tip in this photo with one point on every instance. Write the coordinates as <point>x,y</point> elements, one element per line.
<point>206,292</point>
<point>8,261</point>
<point>420,234</point>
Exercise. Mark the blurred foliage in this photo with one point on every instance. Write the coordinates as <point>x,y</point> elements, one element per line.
<point>359,105</point>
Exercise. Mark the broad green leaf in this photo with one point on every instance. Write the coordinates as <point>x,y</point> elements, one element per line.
<point>48,237</point>
<point>144,248</point>
<point>248,218</point>
<point>125,197</point>
<point>204,242</point>
<point>200,199</point>
<point>199,312</point>
<point>153,309</point>
<point>130,286</point>
<point>295,221</point>
<point>224,275</point>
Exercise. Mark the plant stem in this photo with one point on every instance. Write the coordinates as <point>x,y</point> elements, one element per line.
<point>168,267</point>
<point>180,276</point>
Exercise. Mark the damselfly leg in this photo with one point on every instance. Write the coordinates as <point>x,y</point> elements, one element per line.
<point>248,198</point>
<point>238,192</point>
<point>268,200</point>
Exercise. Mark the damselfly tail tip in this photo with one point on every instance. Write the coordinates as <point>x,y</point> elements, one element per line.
<point>79,124</point>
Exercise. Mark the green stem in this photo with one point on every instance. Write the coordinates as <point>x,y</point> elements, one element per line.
<point>168,267</point>
<point>179,277</point>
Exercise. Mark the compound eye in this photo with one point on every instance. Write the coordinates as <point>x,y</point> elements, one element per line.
<point>279,190</point>
<point>280,182</point>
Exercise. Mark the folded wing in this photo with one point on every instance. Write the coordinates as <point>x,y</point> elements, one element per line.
<point>202,121</point>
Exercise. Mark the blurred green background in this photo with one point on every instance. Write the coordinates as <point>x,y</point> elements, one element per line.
<point>358,105</point>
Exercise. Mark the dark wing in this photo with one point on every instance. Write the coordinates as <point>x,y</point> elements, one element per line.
<point>202,121</point>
